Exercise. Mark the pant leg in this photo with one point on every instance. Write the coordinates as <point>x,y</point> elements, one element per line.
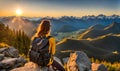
<point>57,65</point>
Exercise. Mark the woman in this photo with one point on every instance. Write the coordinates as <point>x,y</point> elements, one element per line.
<point>44,31</point>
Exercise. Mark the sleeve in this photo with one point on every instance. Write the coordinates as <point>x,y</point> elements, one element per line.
<point>52,46</point>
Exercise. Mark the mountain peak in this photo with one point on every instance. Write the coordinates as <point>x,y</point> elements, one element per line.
<point>113,26</point>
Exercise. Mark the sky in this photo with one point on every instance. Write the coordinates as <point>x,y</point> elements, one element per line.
<point>57,8</point>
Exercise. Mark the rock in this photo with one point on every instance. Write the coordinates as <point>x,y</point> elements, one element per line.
<point>2,49</point>
<point>1,57</point>
<point>83,59</point>
<point>27,67</point>
<point>12,63</point>
<point>98,67</point>
<point>65,60</point>
<point>71,64</point>
<point>9,59</point>
<point>11,52</point>
<point>21,60</point>
<point>78,61</point>
<point>30,66</point>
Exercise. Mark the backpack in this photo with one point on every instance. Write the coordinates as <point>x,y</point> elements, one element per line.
<point>39,52</point>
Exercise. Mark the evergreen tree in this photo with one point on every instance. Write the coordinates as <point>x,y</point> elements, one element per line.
<point>16,38</point>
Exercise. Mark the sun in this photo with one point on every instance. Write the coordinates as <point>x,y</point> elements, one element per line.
<point>18,12</point>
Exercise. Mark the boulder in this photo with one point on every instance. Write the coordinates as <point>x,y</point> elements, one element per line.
<point>9,59</point>
<point>83,61</point>
<point>30,66</point>
<point>78,61</point>
<point>11,52</point>
<point>98,67</point>
<point>20,62</point>
<point>9,63</point>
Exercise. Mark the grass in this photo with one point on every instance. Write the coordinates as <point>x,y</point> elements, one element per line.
<point>115,66</point>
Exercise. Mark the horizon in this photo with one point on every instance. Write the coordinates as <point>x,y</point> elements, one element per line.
<point>58,8</point>
<point>61,16</point>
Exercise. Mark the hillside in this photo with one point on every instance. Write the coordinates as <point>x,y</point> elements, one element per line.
<point>113,28</point>
<point>92,32</point>
<point>108,42</point>
<point>68,45</point>
<point>101,42</point>
<point>92,48</point>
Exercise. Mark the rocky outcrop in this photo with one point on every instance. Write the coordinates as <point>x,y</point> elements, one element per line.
<point>9,59</point>
<point>9,52</point>
<point>78,61</point>
<point>30,66</point>
<point>83,61</point>
<point>98,67</point>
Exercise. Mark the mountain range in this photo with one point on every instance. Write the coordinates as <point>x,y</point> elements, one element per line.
<point>98,41</point>
<point>69,23</point>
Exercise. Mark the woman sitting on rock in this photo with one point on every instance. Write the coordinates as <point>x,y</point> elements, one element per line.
<point>43,47</point>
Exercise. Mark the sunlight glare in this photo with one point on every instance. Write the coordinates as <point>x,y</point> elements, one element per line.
<point>18,12</point>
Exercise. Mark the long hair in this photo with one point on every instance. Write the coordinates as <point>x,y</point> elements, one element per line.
<point>43,29</point>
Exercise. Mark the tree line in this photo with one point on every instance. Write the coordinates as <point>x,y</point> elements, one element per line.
<point>15,38</point>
